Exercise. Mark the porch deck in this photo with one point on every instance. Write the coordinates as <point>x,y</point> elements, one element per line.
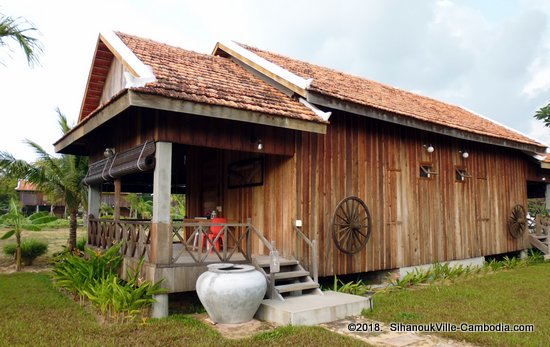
<point>194,246</point>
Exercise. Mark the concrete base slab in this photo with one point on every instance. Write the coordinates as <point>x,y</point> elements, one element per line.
<point>313,309</point>
<point>546,257</point>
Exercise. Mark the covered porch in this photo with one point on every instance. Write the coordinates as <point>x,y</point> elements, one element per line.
<point>250,191</point>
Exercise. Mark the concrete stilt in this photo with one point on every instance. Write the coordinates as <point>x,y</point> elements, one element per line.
<point>161,230</point>
<point>160,307</point>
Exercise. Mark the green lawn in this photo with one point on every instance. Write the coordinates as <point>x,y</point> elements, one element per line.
<point>34,313</point>
<point>521,295</point>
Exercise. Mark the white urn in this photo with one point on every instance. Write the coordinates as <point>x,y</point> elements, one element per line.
<point>231,293</point>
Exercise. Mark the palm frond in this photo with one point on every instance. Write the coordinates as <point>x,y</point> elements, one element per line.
<point>19,30</point>
<point>62,121</point>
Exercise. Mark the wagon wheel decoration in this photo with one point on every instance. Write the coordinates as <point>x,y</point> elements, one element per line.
<point>517,223</point>
<point>351,225</point>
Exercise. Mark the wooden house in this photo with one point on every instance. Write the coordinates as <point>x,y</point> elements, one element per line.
<point>345,174</point>
<point>33,200</point>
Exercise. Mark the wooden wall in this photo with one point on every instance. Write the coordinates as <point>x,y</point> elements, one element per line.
<point>415,220</point>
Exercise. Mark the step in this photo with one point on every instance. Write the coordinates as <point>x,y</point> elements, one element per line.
<point>312,309</point>
<point>285,288</point>
<point>539,237</point>
<point>291,274</point>
<point>282,262</point>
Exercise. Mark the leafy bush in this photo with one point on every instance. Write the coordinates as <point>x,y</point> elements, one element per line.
<point>38,215</point>
<point>30,250</point>
<point>355,288</point>
<point>43,220</point>
<point>81,243</point>
<point>96,280</point>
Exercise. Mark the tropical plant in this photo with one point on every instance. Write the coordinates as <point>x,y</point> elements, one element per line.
<point>30,250</point>
<point>94,278</point>
<point>7,191</point>
<point>61,177</point>
<point>139,206</point>
<point>543,114</point>
<point>16,221</point>
<point>177,210</point>
<point>352,287</point>
<point>19,30</point>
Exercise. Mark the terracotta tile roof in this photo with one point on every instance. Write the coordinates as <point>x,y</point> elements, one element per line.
<point>212,80</point>
<point>26,186</point>
<point>365,92</point>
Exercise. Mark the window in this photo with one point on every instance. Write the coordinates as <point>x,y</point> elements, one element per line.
<point>461,174</point>
<point>426,171</point>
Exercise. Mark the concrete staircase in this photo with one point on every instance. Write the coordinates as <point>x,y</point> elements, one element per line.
<point>292,280</point>
<point>293,297</point>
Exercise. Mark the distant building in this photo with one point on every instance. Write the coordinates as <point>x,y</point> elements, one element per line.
<point>33,200</point>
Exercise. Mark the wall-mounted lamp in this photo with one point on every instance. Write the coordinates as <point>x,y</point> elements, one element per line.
<point>257,142</point>
<point>108,152</point>
<point>464,154</point>
<point>429,148</point>
<point>543,179</point>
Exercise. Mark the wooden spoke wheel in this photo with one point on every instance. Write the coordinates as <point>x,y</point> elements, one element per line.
<point>351,225</point>
<point>517,223</point>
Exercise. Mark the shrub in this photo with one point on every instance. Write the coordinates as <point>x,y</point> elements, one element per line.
<point>81,243</point>
<point>96,280</point>
<point>38,215</point>
<point>30,250</point>
<point>355,288</point>
<point>43,220</point>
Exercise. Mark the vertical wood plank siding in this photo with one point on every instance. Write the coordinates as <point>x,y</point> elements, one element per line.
<point>415,220</point>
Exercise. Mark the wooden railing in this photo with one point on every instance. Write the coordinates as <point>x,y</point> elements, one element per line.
<point>134,235</point>
<point>197,241</point>
<point>312,262</point>
<point>193,240</point>
<point>539,236</point>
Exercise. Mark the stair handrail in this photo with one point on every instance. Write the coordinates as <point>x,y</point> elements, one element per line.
<point>314,252</point>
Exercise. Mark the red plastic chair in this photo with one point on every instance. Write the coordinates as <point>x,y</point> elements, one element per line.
<point>215,230</point>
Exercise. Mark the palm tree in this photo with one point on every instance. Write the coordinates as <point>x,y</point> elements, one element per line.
<point>18,29</point>
<point>61,177</point>
<point>15,220</point>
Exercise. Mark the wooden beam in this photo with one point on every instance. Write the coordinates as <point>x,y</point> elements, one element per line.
<point>119,56</point>
<point>258,67</point>
<point>371,112</point>
<point>168,104</point>
<point>86,126</point>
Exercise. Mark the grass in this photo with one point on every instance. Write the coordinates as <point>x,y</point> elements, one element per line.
<point>518,296</point>
<point>56,239</point>
<point>35,313</point>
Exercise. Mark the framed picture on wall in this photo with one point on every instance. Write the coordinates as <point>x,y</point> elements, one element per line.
<point>246,173</point>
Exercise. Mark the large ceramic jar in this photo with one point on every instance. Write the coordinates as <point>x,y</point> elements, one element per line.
<point>231,293</point>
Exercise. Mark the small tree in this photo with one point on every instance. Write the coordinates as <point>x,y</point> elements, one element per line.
<point>16,220</point>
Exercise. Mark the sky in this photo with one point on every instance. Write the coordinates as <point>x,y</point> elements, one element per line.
<point>488,56</point>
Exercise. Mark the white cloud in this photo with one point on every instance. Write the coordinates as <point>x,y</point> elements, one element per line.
<point>487,56</point>
<point>539,132</point>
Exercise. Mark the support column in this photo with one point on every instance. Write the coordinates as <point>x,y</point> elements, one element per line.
<point>161,230</point>
<point>94,200</point>
<point>547,196</point>
<point>118,187</point>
